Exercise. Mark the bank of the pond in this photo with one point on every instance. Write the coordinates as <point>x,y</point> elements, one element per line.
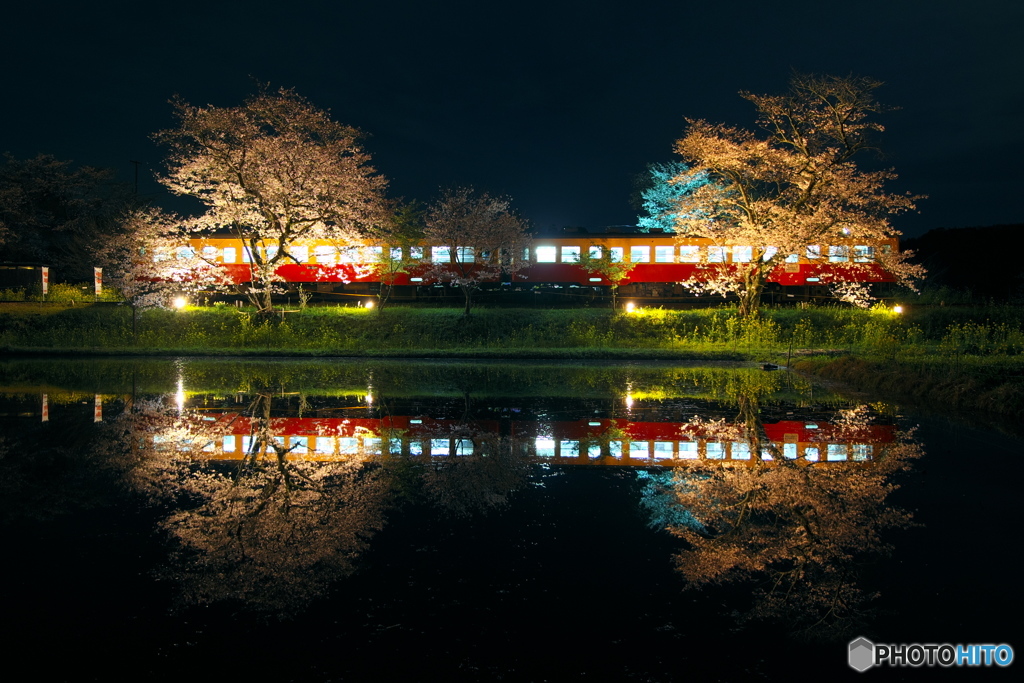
<point>965,357</point>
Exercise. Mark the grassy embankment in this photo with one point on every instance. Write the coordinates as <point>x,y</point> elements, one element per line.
<point>961,356</point>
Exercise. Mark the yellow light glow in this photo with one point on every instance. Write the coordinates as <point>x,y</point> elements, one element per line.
<point>629,401</point>
<point>180,303</point>
<point>897,309</point>
<point>630,307</point>
<point>369,304</point>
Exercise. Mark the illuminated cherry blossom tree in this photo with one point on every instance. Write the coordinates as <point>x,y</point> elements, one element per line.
<point>475,239</point>
<point>275,172</point>
<point>793,189</point>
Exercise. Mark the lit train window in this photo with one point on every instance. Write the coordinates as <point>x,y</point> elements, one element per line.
<point>348,445</point>
<point>396,253</point>
<point>863,253</point>
<point>372,254</point>
<point>229,255</point>
<point>160,255</point>
<point>814,251</point>
<point>594,450</point>
<point>416,252</point>
<point>569,449</point>
<point>769,252</point>
<point>742,254</point>
<point>229,444</point>
<point>246,255</point>
<point>663,450</point>
<point>664,254</point>
<point>415,448</point>
<point>811,453</point>
<point>545,447</point>
<point>595,251</point>
<point>465,254</point>
<point>766,454</point>
<point>861,452</point>
<point>271,252</point>
<point>838,253</point>
<point>324,254</point>
<point>526,253</point>
<point>638,450</point>
<point>440,255</point>
<point>300,444</point>
<point>547,254</point>
<point>640,254</point>
<point>395,446</point>
<point>186,253</point>
<point>716,254</point>
<point>789,451</point>
<point>689,254</point>
<point>348,255</point>
<point>617,254</point>
<point>371,444</point>
<point>246,444</point>
<point>615,449</point>
<point>715,450</point>
<point>688,450</point>
<point>324,445</point>
<point>300,254</point>
<point>836,451</point>
<point>211,253</point>
<point>440,446</point>
<point>571,254</point>
<point>740,450</point>
<point>793,258</point>
<point>463,447</point>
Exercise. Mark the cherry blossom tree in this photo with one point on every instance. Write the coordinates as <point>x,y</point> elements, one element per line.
<point>599,260</point>
<point>146,263</point>
<point>792,189</point>
<point>474,238</point>
<point>275,172</point>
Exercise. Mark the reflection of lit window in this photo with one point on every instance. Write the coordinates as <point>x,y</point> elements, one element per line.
<point>348,445</point>
<point>594,450</point>
<point>789,451</point>
<point>545,447</point>
<point>372,445</point>
<point>416,252</point>
<point>615,449</point>
<point>415,448</point>
<point>324,445</point>
<point>463,447</point>
<point>861,451</point>
<point>229,443</point>
<point>688,450</point>
<point>439,446</point>
<point>836,451</point>
<point>569,449</point>
<point>715,450</point>
<point>663,450</point>
<point>395,446</point>
<point>811,453</point>
<point>740,450</point>
<point>638,450</point>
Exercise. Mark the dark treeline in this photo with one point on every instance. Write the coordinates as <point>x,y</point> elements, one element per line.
<point>982,261</point>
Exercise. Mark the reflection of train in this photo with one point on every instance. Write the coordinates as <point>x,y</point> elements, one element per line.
<point>593,442</point>
<point>660,263</point>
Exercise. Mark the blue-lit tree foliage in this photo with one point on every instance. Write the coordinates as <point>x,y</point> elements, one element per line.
<point>662,197</point>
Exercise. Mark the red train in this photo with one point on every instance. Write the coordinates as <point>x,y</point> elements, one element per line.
<point>661,263</point>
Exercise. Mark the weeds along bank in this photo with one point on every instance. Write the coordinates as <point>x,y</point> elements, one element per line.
<point>952,334</point>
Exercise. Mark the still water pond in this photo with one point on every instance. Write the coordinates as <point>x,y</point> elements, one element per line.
<point>336,520</point>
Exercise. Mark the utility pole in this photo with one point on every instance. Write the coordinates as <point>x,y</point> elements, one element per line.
<point>136,163</point>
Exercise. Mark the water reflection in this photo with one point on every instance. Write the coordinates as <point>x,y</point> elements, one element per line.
<point>276,480</point>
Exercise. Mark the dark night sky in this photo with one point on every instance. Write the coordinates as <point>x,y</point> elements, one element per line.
<point>557,104</point>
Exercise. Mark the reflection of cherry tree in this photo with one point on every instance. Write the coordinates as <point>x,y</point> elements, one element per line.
<point>272,530</point>
<point>795,527</point>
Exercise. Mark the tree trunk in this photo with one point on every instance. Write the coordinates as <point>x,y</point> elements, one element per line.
<point>467,292</point>
<point>750,295</point>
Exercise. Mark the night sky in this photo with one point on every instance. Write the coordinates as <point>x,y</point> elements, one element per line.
<point>558,104</point>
